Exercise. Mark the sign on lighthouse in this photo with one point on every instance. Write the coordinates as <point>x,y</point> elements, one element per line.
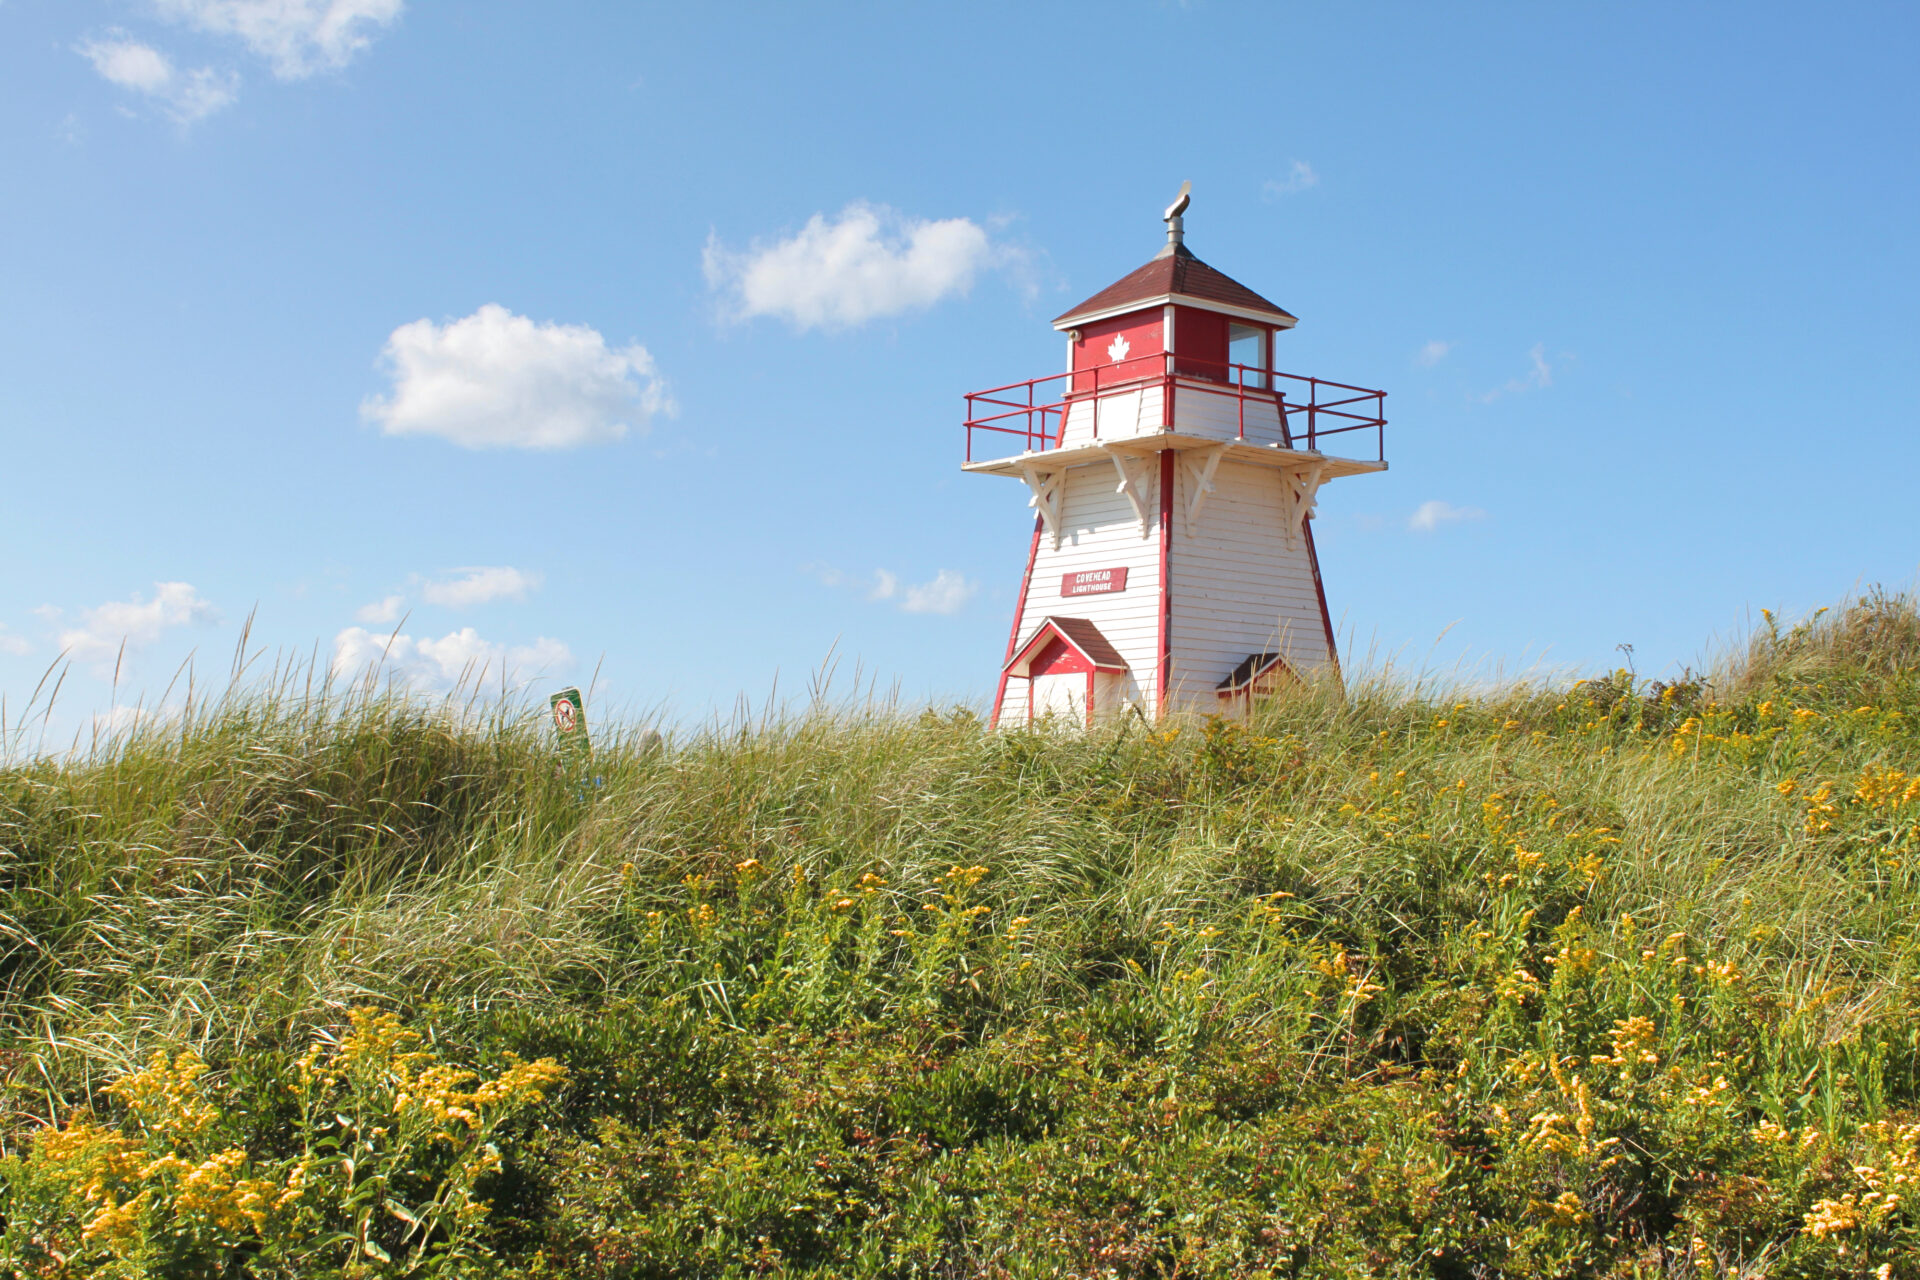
<point>1173,470</point>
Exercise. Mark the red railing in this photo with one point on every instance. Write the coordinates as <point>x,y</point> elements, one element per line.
<point>1025,411</point>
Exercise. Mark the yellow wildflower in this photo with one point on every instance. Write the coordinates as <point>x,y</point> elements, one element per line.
<point>1829,1216</point>
<point>1565,1210</point>
<point>166,1096</point>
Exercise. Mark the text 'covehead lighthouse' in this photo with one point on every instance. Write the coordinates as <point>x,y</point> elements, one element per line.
<point>1173,470</point>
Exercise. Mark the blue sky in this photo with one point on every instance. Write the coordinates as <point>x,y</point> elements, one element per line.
<point>635,336</point>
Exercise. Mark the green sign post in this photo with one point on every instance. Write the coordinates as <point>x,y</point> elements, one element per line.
<point>570,724</point>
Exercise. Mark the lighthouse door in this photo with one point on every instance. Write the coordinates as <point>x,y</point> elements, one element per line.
<point>1062,682</point>
<point>1063,695</point>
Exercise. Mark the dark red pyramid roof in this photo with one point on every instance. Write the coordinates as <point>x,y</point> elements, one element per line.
<point>1180,273</point>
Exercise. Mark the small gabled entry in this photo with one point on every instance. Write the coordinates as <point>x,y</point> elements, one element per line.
<point>1254,674</point>
<point>1070,670</point>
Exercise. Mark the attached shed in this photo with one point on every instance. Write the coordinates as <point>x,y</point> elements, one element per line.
<point>1256,674</point>
<point>1070,669</point>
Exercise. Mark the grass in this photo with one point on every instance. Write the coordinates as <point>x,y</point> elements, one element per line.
<point>1603,980</point>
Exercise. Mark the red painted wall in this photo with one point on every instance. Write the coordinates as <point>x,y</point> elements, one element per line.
<point>1199,343</point>
<point>1145,345</point>
<point>1058,658</point>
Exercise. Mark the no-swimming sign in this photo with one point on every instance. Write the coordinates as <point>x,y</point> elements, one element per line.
<point>570,720</point>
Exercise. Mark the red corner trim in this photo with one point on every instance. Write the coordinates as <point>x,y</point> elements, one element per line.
<point>1165,677</point>
<point>1320,590</point>
<point>1019,611</point>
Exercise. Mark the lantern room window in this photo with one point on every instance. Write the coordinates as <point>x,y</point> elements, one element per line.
<point>1247,355</point>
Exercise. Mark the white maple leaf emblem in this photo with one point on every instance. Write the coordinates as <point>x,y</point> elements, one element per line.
<point>1119,348</point>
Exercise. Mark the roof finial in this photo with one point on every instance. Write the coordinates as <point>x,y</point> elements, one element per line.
<point>1176,226</point>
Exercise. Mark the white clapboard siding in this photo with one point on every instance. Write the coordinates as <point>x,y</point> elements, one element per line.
<point>1101,531</point>
<point>1238,586</point>
<point>1199,409</point>
<point>1013,703</point>
<point>1120,415</point>
<point>1202,409</point>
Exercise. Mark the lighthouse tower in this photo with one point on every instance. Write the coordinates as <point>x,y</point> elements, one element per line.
<point>1173,470</point>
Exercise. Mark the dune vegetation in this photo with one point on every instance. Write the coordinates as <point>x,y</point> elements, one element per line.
<point>1608,978</point>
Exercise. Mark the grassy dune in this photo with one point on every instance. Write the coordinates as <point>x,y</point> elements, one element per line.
<point>1610,979</point>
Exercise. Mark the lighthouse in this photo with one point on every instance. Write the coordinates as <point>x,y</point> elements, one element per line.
<point>1173,471</point>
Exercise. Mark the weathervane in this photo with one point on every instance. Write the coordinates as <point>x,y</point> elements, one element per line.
<point>1176,226</point>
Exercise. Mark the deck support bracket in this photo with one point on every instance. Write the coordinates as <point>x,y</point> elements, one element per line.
<point>1200,466</point>
<point>1302,492</point>
<point>1048,488</point>
<point>1136,477</point>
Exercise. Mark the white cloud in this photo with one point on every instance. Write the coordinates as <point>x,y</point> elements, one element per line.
<point>456,656</point>
<point>134,623</point>
<point>385,609</point>
<point>1538,376</point>
<point>1432,353</point>
<point>297,37</point>
<point>13,646</point>
<point>1430,515</point>
<point>481,586</point>
<point>186,97</point>
<point>129,64</point>
<point>947,593</point>
<point>496,380</point>
<point>869,262</point>
<point>1299,177</point>
<point>467,587</point>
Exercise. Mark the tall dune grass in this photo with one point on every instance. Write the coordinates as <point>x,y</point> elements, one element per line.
<point>1610,978</point>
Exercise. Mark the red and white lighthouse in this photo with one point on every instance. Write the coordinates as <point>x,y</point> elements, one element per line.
<point>1173,471</point>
